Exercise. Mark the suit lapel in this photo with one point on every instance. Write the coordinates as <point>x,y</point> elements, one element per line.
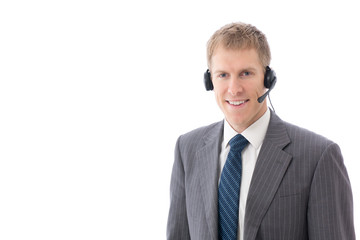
<point>270,168</point>
<point>208,160</point>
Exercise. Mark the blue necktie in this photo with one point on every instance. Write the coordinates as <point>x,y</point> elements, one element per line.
<point>229,190</point>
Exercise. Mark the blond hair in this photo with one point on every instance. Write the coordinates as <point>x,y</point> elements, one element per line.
<point>236,36</point>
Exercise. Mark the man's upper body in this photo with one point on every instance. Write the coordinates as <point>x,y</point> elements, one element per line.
<point>299,189</point>
<point>294,183</point>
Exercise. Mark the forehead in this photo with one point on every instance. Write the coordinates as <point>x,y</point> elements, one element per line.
<point>235,58</point>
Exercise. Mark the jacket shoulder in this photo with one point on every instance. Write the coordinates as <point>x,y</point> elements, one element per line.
<point>197,136</point>
<point>306,138</point>
<point>199,133</point>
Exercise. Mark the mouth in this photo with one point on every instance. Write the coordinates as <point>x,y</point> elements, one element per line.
<point>237,103</point>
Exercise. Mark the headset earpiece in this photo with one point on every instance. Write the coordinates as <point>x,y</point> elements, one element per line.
<point>269,82</point>
<point>269,78</point>
<point>207,81</point>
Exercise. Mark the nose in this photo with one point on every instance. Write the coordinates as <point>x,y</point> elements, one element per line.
<point>235,86</point>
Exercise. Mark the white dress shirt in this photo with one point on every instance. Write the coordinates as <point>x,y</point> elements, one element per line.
<point>255,134</point>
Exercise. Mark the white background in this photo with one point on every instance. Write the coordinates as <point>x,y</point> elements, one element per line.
<point>93,95</point>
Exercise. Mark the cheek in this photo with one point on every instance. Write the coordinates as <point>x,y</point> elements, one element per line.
<point>219,91</point>
<point>218,96</point>
<point>257,89</point>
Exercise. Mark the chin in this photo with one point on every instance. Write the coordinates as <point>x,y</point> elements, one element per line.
<point>237,122</point>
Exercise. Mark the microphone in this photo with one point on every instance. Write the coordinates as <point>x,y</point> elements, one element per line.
<point>262,98</point>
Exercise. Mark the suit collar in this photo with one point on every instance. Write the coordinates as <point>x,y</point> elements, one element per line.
<point>270,168</point>
<point>277,132</point>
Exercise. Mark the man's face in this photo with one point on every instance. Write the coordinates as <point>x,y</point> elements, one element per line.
<point>238,79</point>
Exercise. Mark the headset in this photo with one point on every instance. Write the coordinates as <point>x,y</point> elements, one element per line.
<point>269,82</point>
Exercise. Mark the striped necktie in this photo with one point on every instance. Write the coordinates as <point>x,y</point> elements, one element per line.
<point>229,190</point>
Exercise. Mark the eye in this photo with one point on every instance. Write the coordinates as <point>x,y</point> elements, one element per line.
<point>245,74</point>
<point>222,75</point>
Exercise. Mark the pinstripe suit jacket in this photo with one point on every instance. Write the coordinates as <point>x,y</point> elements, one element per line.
<point>299,190</point>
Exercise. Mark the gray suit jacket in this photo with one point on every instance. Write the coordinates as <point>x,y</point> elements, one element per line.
<point>299,190</point>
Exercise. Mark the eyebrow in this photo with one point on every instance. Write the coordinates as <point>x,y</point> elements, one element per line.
<point>246,69</point>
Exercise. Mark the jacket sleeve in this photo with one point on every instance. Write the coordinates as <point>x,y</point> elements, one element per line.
<point>330,209</point>
<point>177,225</point>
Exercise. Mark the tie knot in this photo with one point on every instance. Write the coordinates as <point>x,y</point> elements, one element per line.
<point>238,142</point>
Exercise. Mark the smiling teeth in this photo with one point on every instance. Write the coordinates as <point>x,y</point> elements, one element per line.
<point>236,103</point>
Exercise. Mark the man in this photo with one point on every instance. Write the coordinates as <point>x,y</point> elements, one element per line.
<point>254,176</point>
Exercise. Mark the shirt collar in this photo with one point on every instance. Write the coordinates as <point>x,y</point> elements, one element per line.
<point>255,133</point>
